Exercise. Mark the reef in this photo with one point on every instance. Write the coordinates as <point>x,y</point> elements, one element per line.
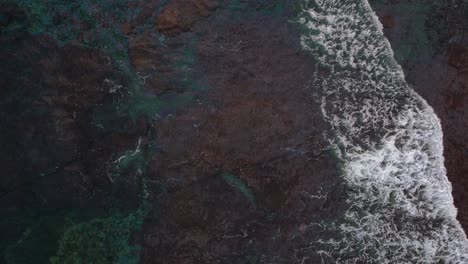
<point>170,131</point>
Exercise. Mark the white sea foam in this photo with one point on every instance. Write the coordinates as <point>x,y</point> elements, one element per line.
<point>389,141</point>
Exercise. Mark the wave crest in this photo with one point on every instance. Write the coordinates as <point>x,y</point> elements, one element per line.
<point>389,141</point>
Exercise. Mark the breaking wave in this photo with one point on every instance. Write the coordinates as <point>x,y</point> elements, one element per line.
<point>388,140</point>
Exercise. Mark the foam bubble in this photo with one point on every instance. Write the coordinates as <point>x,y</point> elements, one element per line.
<point>390,143</point>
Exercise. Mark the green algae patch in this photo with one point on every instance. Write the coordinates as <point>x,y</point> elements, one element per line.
<point>70,20</point>
<point>101,240</point>
<point>75,236</point>
<point>38,241</point>
<point>144,105</point>
<point>239,185</point>
<point>84,236</point>
<point>132,100</point>
<point>152,106</point>
<point>186,65</point>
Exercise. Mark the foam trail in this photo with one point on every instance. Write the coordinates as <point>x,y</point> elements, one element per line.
<point>389,141</point>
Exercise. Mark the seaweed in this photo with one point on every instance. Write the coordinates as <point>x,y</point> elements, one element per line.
<point>240,186</point>
<point>100,240</point>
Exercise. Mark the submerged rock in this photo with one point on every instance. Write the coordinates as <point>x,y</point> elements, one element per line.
<point>154,106</point>
<point>179,16</point>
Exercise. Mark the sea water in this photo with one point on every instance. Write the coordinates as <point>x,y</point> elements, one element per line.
<point>388,141</point>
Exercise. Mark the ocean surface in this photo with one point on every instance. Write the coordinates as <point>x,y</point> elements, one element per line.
<point>388,142</point>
